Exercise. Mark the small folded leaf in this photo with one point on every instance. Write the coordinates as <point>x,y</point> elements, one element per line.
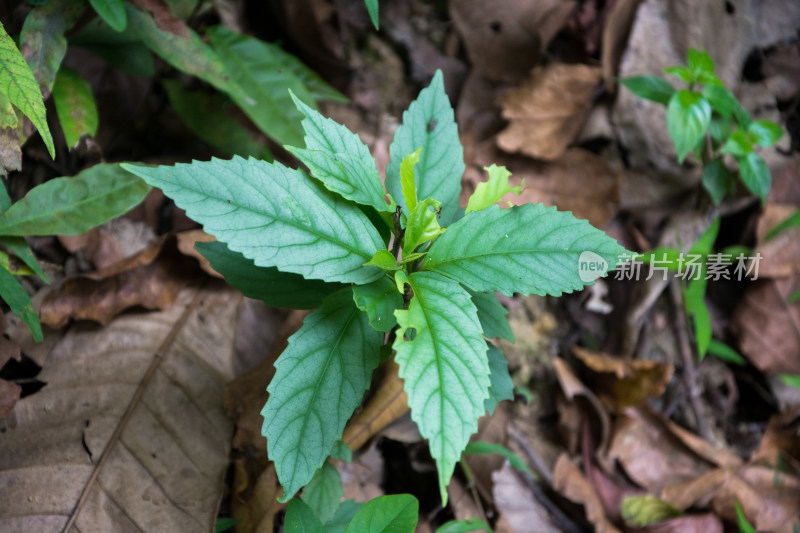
<point>428,123</point>
<point>407,178</point>
<point>755,175</point>
<point>112,11</point>
<point>765,132</point>
<point>386,514</point>
<point>444,367</point>
<point>501,387</point>
<point>726,353</point>
<point>379,300</point>
<point>70,206</point>
<point>495,249</point>
<point>274,215</point>
<point>18,300</point>
<point>19,86</point>
<point>739,144</point>
<point>721,99</point>
<point>75,106</point>
<point>337,157</point>
<point>323,492</point>
<point>699,61</point>
<point>384,260</point>
<point>268,284</point>
<point>422,226</point>
<point>652,88</point>
<point>300,518</point>
<point>319,380</point>
<point>688,118</point>
<point>492,315</point>
<point>488,192</point>
<point>681,72</point>
<point>717,179</point>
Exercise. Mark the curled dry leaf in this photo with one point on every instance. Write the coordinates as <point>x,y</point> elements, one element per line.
<point>504,38</point>
<point>625,383</point>
<point>780,444</point>
<point>517,505</point>
<point>573,388</point>
<point>129,433</point>
<point>547,111</point>
<point>615,37</point>
<point>151,279</point>
<point>571,483</point>
<point>186,242</point>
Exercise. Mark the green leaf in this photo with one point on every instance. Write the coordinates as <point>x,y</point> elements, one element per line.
<point>492,315</point>
<point>274,215</point>
<point>75,106</point>
<point>666,257</point>
<point>268,284</point>
<point>17,245</point>
<point>386,514</point>
<point>204,113</point>
<point>324,491</point>
<point>224,524</point>
<point>495,249</point>
<point>445,368</point>
<point>70,206</point>
<point>112,11</point>
<point>793,380</point>
<point>681,72</point>
<point>428,123</point>
<point>191,56</point>
<point>372,8</point>
<point>487,448</point>
<point>792,221</point>
<point>343,515</point>
<point>717,179</point>
<point>20,303</point>
<point>705,243</point>
<point>19,86</point>
<point>765,132</point>
<point>794,297</point>
<point>316,86</point>
<point>124,50</point>
<point>696,308</point>
<point>699,61</point>
<point>709,78</point>
<point>422,226</point>
<point>738,144</point>
<point>384,260</point>
<point>264,82</point>
<point>407,181</point>
<point>379,300</point>
<point>464,526</point>
<point>755,175</point>
<point>642,511</point>
<point>726,353</point>
<point>337,157</point>
<point>319,380</point>
<point>300,518</point>
<point>721,99</point>
<point>720,128</point>
<point>488,192</point>
<point>652,88</point>
<point>500,385</point>
<point>341,451</point>
<point>744,525</point>
<point>688,118</point>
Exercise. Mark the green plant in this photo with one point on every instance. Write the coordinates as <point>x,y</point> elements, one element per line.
<point>410,264</point>
<point>706,119</point>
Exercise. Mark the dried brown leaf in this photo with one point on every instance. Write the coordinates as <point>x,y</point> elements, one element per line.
<point>516,504</point>
<point>615,37</point>
<point>570,482</point>
<point>780,445</point>
<point>547,111</point>
<point>625,383</point>
<point>573,388</point>
<point>504,38</point>
<point>9,394</point>
<point>696,523</point>
<point>151,279</point>
<point>768,326</point>
<point>129,433</point>
<point>186,242</point>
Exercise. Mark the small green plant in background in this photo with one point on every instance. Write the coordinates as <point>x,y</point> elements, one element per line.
<point>408,263</point>
<point>706,119</point>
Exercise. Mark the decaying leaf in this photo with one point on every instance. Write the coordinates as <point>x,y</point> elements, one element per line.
<point>129,433</point>
<point>625,383</point>
<point>547,111</point>
<point>151,279</point>
<point>186,242</point>
<point>504,38</point>
<point>9,395</point>
<point>570,482</point>
<point>517,505</point>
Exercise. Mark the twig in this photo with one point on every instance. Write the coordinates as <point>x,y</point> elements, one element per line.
<point>471,486</point>
<point>538,463</point>
<point>687,355</point>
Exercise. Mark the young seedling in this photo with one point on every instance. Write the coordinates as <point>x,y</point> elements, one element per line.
<point>404,274</point>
